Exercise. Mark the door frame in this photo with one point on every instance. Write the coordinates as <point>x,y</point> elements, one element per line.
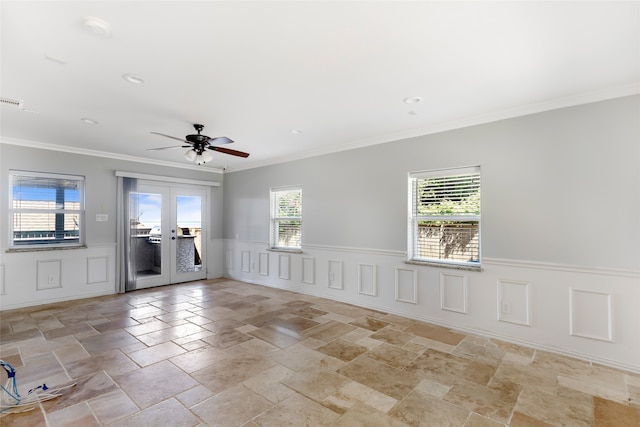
<point>169,232</point>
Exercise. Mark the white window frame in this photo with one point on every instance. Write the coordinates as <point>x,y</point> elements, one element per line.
<point>275,219</point>
<point>414,218</point>
<point>46,242</point>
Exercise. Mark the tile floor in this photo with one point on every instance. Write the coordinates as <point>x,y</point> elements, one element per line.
<point>226,353</point>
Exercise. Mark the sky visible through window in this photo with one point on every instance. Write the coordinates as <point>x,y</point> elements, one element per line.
<point>147,209</point>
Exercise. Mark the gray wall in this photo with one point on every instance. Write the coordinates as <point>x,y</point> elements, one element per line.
<point>100,185</point>
<point>559,187</point>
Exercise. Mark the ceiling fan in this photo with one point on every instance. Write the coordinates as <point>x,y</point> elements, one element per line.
<point>199,144</point>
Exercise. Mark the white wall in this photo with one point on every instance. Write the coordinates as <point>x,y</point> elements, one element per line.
<point>38,277</point>
<point>560,230</point>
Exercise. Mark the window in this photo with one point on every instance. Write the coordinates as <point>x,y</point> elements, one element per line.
<point>45,210</point>
<point>444,218</point>
<point>286,218</point>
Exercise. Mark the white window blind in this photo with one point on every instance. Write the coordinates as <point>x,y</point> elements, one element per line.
<point>286,218</point>
<point>45,209</point>
<point>444,220</point>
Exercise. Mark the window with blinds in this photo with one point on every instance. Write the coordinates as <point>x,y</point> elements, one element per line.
<point>286,218</point>
<point>45,209</point>
<point>444,219</point>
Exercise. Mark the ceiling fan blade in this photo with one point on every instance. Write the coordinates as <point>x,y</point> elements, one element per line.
<point>169,136</point>
<point>220,140</point>
<point>167,148</point>
<point>229,151</point>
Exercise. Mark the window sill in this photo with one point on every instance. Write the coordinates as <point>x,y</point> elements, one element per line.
<point>291,251</point>
<point>445,265</point>
<point>44,249</point>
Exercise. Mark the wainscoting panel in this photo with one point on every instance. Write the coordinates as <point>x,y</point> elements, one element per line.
<point>309,270</point>
<point>524,302</point>
<point>406,285</point>
<point>453,292</point>
<point>284,266</point>
<point>513,302</point>
<point>591,314</point>
<point>245,261</point>
<point>367,283</point>
<point>263,263</point>
<point>334,276</point>
<point>228,259</point>
<point>97,270</point>
<point>49,274</point>
<point>2,290</point>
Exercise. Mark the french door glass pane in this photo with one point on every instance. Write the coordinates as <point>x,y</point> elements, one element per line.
<point>146,225</point>
<point>189,242</point>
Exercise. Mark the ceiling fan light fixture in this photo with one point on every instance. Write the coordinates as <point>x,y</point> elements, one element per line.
<point>190,155</point>
<point>207,156</point>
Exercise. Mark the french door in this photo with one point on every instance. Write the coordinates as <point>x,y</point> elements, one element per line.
<point>168,234</point>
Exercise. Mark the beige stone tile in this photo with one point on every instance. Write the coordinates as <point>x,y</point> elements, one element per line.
<point>85,388</point>
<point>229,372</point>
<point>369,323</point>
<point>436,333</point>
<point>383,378</point>
<point>420,409</point>
<point>155,354</point>
<point>77,415</point>
<point>392,336</point>
<point>106,341</point>
<point>476,420</point>
<point>233,406</point>
<point>361,415</point>
<point>268,384</point>
<point>339,402</point>
<point>342,350</point>
<point>295,411</point>
<point>315,383</point>
<point>152,384</point>
<point>574,409</point>
<point>492,402</point>
<point>275,336</point>
<point>71,353</point>
<point>329,331</point>
<point>194,395</point>
<point>148,327</point>
<point>392,356</point>
<point>612,414</point>
<point>433,388</point>
<point>436,345</point>
<point>488,354</point>
<point>521,420</point>
<point>198,359</point>
<point>296,357</point>
<point>114,362</point>
<point>166,413</point>
<point>112,406</point>
<point>368,396</point>
<point>168,334</point>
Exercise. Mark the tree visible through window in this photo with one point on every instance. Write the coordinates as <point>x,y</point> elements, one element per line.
<point>445,216</point>
<point>286,218</point>
<point>45,209</point>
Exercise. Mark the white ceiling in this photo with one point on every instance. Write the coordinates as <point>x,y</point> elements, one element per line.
<point>339,71</point>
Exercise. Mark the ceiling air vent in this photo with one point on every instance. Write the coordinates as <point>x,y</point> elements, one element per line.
<point>8,101</point>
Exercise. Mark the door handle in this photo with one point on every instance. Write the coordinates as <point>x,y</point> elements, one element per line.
<point>173,237</point>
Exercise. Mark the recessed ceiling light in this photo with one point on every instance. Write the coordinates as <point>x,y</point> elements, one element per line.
<point>132,78</point>
<point>88,121</point>
<point>55,59</point>
<point>98,26</point>
<point>296,131</point>
<point>412,100</point>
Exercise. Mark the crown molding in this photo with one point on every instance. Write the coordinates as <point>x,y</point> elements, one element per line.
<point>104,154</point>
